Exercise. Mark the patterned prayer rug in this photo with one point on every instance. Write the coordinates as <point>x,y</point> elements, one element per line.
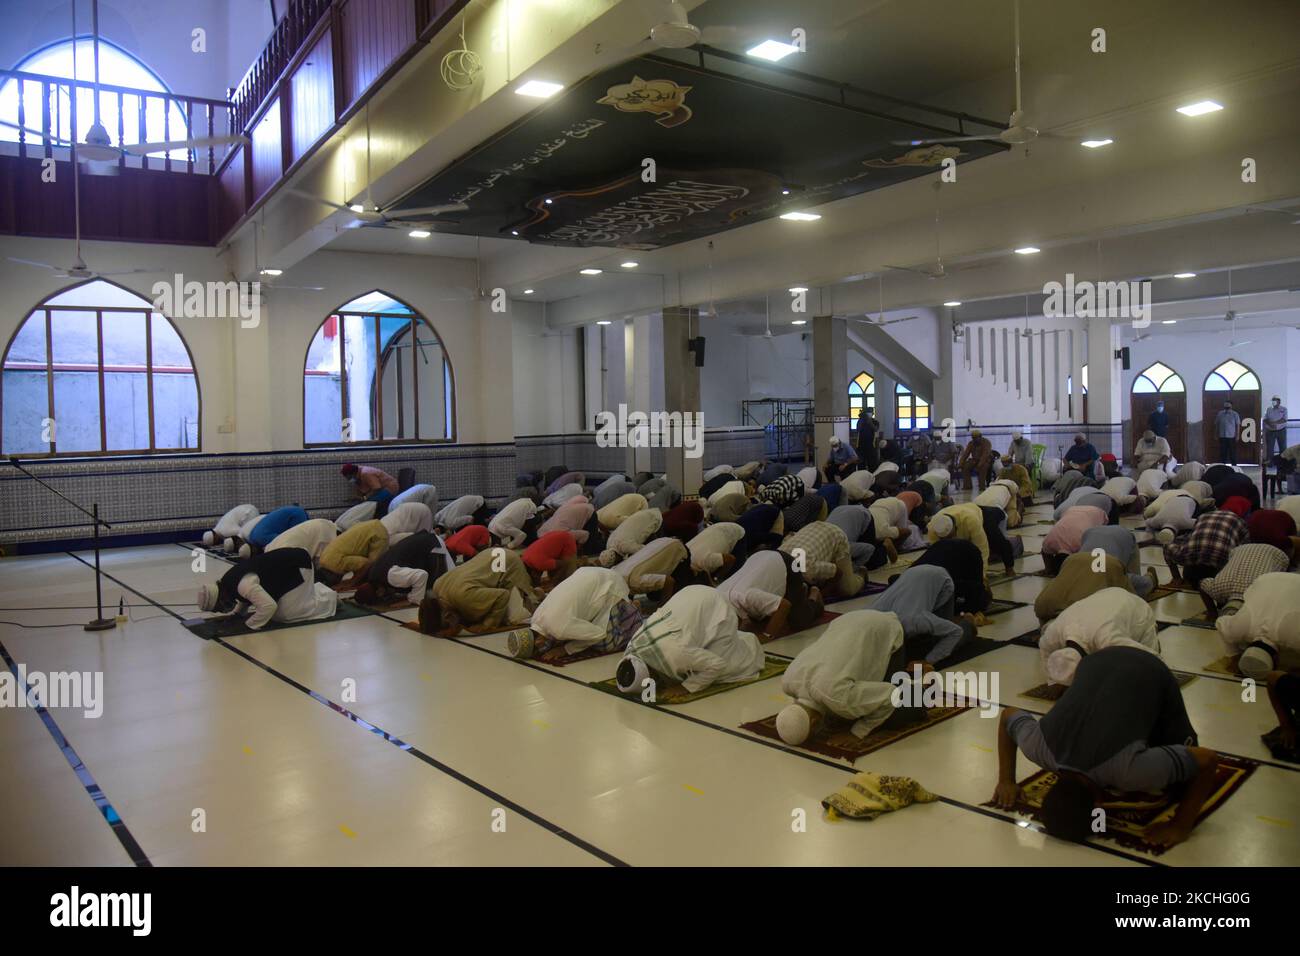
<point>210,628</point>
<point>844,745</point>
<point>677,694</point>
<point>1130,816</point>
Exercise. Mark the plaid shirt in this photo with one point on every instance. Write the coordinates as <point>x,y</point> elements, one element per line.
<point>1210,543</point>
<point>804,510</point>
<point>783,492</point>
<point>824,547</point>
<point>1245,564</point>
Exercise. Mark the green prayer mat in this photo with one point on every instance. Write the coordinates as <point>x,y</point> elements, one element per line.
<point>677,694</point>
<point>1130,816</point>
<point>844,745</point>
<point>1054,691</point>
<point>211,628</point>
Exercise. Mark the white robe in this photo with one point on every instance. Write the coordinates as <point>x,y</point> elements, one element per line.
<point>717,470</point>
<point>890,518</point>
<point>1177,514</point>
<point>709,546</point>
<point>576,611</point>
<point>758,587</point>
<point>1291,505</point>
<point>631,535</point>
<point>312,536</point>
<point>458,513</point>
<point>560,495</point>
<point>408,519</point>
<point>994,496</point>
<point>696,639</point>
<point>508,524</point>
<point>1121,490</point>
<point>228,524</point>
<point>309,601</point>
<point>627,567</point>
<point>1151,482</point>
<point>938,479</point>
<point>425,494</point>
<point>1270,612</point>
<point>857,486</point>
<point>355,515</point>
<point>843,671</point>
<point>1107,618</point>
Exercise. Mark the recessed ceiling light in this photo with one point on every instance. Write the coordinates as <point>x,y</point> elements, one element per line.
<point>514,232</point>
<point>1168,321</point>
<point>603,322</point>
<point>629,264</point>
<point>785,192</point>
<point>798,288</point>
<point>357,207</point>
<point>800,216</point>
<point>1027,250</point>
<point>799,322</point>
<point>1197,109</point>
<point>953,304</point>
<point>591,272</point>
<point>1184,275</point>
<point>420,234</point>
<point>772,50</point>
<point>549,201</point>
<point>272,272</point>
<point>1096,143</point>
<point>528,292</point>
<point>540,89</point>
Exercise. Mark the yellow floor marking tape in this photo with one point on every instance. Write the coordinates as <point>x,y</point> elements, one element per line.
<point>695,790</point>
<point>248,750</point>
<point>1276,822</point>
<point>347,832</point>
<point>541,723</point>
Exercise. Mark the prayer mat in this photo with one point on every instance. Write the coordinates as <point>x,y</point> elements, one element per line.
<point>557,657</point>
<point>1273,741</point>
<point>1029,639</point>
<point>1199,620</point>
<point>868,587</point>
<point>868,795</point>
<point>677,694</point>
<point>211,628</point>
<point>1054,691</point>
<point>1129,816</point>
<point>214,551</point>
<point>1223,665</point>
<point>397,605</point>
<point>999,606</point>
<point>996,579</point>
<point>919,647</point>
<point>843,745</point>
<point>415,626</point>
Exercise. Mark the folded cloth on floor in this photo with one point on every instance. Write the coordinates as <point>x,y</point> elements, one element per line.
<point>868,795</point>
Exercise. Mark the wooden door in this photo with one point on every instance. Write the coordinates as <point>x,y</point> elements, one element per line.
<point>1144,403</point>
<point>1246,403</point>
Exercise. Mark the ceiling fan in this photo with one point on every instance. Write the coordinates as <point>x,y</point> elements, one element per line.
<point>880,319</point>
<point>369,215</point>
<point>1231,317</point>
<point>937,269</point>
<point>268,279</point>
<point>1017,132</point>
<point>98,147</point>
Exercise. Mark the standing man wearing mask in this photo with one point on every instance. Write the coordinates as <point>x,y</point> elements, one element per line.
<point>1274,428</point>
<point>1158,421</point>
<point>1226,424</point>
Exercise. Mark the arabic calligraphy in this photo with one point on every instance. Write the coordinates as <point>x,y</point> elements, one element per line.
<point>648,212</point>
<point>539,155</point>
<point>664,98</point>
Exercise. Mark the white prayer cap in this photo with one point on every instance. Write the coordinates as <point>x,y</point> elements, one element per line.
<point>207,597</point>
<point>1017,435</point>
<point>208,538</point>
<point>942,525</point>
<point>1061,664</point>
<point>631,672</point>
<point>835,440</point>
<point>793,724</point>
<point>245,551</point>
<point>228,544</point>
<point>1165,535</point>
<point>608,558</point>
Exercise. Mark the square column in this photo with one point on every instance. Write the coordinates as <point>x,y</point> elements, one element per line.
<point>830,384</point>
<point>684,465</point>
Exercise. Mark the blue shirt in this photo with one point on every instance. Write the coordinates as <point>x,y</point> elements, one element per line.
<point>1081,454</point>
<point>275,523</point>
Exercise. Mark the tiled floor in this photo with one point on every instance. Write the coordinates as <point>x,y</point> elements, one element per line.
<point>489,760</point>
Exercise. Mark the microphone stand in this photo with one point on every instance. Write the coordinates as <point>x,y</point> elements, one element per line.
<point>100,623</point>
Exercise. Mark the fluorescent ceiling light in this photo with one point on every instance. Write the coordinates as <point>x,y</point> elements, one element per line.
<point>630,265</point>
<point>772,50</point>
<point>591,272</point>
<point>1096,143</point>
<point>1184,275</point>
<point>799,322</point>
<point>798,288</point>
<point>800,216</point>
<point>1168,321</point>
<point>1027,250</point>
<point>357,207</point>
<point>603,322</point>
<point>420,234</point>
<point>1197,109</point>
<point>272,272</point>
<point>953,304</point>
<point>528,292</point>
<point>540,89</point>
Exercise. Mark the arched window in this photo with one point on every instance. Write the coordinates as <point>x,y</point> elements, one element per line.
<point>1157,378</point>
<point>94,370</point>
<point>116,68</point>
<point>862,394</point>
<point>1231,376</point>
<point>376,371</point>
<point>913,411</point>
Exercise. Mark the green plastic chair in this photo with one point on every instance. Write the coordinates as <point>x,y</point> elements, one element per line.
<point>1035,471</point>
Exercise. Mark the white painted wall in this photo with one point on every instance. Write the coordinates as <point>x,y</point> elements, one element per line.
<point>157,32</point>
<point>548,370</point>
<point>253,376</point>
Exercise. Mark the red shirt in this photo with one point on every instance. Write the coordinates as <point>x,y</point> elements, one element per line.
<point>468,541</point>
<point>550,549</point>
<point>1271,526</point>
